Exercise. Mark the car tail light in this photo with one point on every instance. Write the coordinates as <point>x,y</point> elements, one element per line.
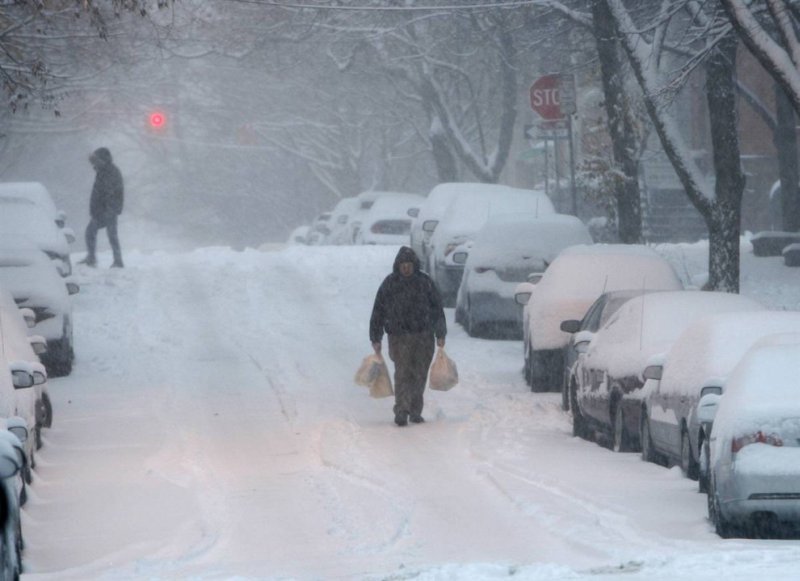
<point>482,269</point>
<point>757,438</point>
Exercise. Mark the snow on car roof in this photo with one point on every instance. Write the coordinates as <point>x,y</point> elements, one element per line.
<point>32,191</point>
<point>28,219</point>
<point>762,390</point>
<point>505,238</point>
<point>580,274</point>
<point>649,324</point>
<point>712,346</point>
<point>468,212</point>
<point>395,204</point>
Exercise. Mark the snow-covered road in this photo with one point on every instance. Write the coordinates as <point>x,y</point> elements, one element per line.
<point>211,429</point>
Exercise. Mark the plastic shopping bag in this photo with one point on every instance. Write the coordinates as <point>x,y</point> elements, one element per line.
<point>374,374</point>
<point>444,373</point>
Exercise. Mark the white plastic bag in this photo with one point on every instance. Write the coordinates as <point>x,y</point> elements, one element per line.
<point>443,373</point>
<point>374,374</point>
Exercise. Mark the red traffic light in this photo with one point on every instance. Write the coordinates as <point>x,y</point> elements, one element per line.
<point>157,120</point>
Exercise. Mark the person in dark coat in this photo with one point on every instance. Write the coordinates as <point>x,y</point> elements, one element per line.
<point>408,307</point>
<point>105,206</point>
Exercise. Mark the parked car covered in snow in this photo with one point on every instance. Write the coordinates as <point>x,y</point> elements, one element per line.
<point>575,279</point>
<point>598,314</point>
<point>432,210</point>
<point>32,405</point>
<point>388,221</point>
<point>39,195</point>
<point>34,283</point>
<point>608,396</point>
<point>365,202</point>
<point>504,253</point>
<point>698,362</point>
<point>464,218</point>
<point>754,463</point>
<point>24,219</point>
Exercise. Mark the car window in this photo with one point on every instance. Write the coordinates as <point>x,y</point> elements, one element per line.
<point>592,319</point>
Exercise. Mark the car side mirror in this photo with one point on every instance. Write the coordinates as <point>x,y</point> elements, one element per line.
<point>535,277</point>
<point>38,344</point>
<point>571,326</point>
<point>73,288</point>
<point>460,257</point>
<point>21,375</point>
<point>653,372</point>
<point>523,293</point>
<point>707,408</point>
<point>29,316</point>
<point>413,212</point>
<point>429,225</point>
<point>69,234</point>
<point>711,390</point>
<point>19,427</point>
<point>61,219</point>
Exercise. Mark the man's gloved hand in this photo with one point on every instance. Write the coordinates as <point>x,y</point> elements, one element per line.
<point>377,348</point>
<point>440,341</point>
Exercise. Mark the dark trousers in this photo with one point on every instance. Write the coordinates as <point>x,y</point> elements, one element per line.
<point>110,224</point>
<point>412,355</point>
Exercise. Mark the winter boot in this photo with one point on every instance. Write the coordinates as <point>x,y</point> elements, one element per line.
<point>401,418</point>
<point>117,263</point>
<point>417,419</point>
<point>89,261</point>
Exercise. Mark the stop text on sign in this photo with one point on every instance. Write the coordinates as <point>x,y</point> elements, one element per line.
<point>545,95</point>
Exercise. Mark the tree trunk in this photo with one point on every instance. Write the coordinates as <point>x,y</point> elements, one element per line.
<point>724,217</point>
<point>786,144</point>
<point>446,165</point>
<point>621,128</point>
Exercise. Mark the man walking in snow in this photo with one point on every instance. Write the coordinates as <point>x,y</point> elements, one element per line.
<point>104,207</point>
<point>408,307</point>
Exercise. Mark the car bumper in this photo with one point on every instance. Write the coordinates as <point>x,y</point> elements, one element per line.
<point>764,479</point>
<point>493,308</point>
<point>449,278</point>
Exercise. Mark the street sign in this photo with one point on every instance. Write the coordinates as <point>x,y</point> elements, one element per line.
<point>545,97</point>
<point>547,130</point>
<point>553,96</point>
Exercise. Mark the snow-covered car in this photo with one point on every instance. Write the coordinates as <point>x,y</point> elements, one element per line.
<point>575,279</point>
<point>24,219</point>
<point>388,220</point>
<point>464,217</point>
<point>431,212</point>
<point>10,523</point>
<point>609,375</point>
<point>299,235</point>
<point>39,195</point>
<point>365,202</point>
<point>504,253</point>
<point>32,405</point>
<point>341,216</point>
<point>754,462</point>
<point>601,310</point>
<point>700,359</point>
<point>33,282</point>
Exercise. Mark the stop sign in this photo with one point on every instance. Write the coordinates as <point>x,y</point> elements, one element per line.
<point>546,97</point>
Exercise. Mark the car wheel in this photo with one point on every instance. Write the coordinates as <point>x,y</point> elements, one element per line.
<point>702,472</point>
<point>722,526</point>
<point>48,411</point>
<point>688,463</point>
<point>579,428</point>
<point>565,392</point>
<point>529,369</point>
<point>648,453</point>
<point>620,440</point>
<point>38,442</point>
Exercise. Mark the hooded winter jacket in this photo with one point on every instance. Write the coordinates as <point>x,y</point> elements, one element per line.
<point>108,192</point>
<point>407,304</point>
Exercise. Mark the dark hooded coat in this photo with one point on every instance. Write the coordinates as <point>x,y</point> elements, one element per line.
<point>407,305</point>
<point>108,191</point>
